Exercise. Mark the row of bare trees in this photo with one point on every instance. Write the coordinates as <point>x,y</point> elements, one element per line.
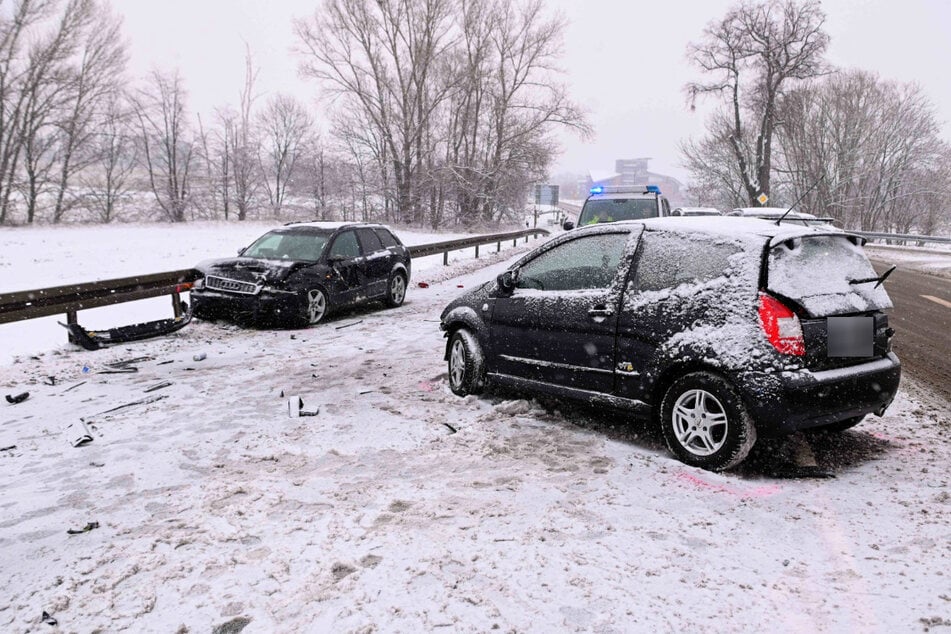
<point>788,126</point>
<point>440,111</point>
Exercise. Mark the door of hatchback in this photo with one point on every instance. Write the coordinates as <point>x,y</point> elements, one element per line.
<point>559,324</point>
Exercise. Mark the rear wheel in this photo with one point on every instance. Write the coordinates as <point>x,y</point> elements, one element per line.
<point>705,423</point>
<point>314,307</point>
<point>396,290</point>
<point>466,364</point>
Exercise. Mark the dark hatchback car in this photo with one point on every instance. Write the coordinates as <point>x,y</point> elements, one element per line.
<point>728,328</point>
<point>299,273</point>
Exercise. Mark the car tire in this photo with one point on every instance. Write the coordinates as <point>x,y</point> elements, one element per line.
<point>466,364</point>
<point>315,306</point>
<point>705,423</point>
<point>396,290</point>
<point>835,428</point>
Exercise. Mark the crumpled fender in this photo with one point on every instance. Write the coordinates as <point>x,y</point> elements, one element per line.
<point>467,317</point>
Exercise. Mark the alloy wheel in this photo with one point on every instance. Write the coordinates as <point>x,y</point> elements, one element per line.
<point>699,422</point>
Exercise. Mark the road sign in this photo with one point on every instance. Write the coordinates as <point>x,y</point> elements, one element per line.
<point>762,198</point>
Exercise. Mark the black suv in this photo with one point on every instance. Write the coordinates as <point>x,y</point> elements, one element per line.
<point>610,204</point>
<point>301,272</point>
<point>727,327</point>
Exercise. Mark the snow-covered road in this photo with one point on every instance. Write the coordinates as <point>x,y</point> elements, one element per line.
<point>215,508</point>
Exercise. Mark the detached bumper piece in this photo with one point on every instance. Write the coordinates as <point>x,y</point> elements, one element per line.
<point>93,340</point>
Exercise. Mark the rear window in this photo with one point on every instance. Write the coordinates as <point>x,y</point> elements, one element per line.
<point>816,271</point>
<point>611,210</point>
<point>389,240</point>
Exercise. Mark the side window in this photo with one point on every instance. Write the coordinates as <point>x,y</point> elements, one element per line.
<point>345,245</point>
<point>668,260</point>
<point>388,239</point>
<point>371,243</point>
<point>586,263</point>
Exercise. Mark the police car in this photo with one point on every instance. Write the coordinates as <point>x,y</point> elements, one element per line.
<point>610,204</point>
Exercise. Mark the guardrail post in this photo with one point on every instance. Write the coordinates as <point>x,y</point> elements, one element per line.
<point>498,247</point>
<point>70,319</point>
<point>515,242</point>
<point>445,258</point>
<point>477,251</point>
<point>176,304</point>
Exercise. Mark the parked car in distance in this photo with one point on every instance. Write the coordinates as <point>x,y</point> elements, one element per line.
<point>696,211</point>
<point>728,328</point>
<point>300,273</point>
<point>610,204</point>
<point>784,214</point>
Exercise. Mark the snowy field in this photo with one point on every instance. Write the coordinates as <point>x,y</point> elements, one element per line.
<point>40,257</point>
<point>401,507</point>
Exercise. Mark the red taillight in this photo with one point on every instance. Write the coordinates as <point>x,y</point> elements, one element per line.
<point>781,326</point>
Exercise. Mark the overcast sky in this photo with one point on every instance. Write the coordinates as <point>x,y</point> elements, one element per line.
<point>625,61</point>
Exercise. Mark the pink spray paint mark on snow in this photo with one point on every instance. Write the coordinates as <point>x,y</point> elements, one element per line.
<point>756,492</point>
<point>425,386</point>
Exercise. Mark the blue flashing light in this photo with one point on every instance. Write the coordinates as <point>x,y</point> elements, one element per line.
<point>597,189</point>
<point>654,189</point>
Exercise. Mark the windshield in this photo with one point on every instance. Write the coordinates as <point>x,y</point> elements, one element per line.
<point>610,210</point>
<point>283,245</point>
<point>816,272</point>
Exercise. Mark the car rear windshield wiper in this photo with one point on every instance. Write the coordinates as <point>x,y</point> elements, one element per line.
<point>879,280</point>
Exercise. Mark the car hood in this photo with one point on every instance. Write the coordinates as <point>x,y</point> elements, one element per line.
<point>472,298</point>
<point>252,269</point>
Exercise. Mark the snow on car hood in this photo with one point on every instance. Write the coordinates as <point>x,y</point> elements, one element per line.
<point>251,269</point>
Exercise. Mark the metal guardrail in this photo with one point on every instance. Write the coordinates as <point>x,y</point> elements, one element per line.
<point>433,248</point>
<point>901,237</point>
<point>71,298</point>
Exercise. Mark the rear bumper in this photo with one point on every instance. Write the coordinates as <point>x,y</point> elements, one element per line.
<point>785,402</point>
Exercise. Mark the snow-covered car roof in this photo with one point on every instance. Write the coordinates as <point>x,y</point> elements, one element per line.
<point>729,226</point>
<point>331,226</point>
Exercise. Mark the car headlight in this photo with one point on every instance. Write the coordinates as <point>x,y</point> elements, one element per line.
<point>198,284</point>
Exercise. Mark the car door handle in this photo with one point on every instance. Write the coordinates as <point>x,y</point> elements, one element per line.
<point>600,311</point>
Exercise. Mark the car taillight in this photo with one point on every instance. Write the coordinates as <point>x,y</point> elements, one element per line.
<point>781,326</point>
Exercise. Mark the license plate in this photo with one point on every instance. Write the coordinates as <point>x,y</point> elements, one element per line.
<point>851,336</point>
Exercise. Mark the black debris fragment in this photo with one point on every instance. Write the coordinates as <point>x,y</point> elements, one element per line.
<point>85,529</point>
<point>452,429</point>
<point>49,620</point>
<point>50,380</point>
<point>8,448</point>
<point>165,362</point>
<point>352,323</point>
<point>157,386</point>
<point>73,387</point>
<point>19,398</point>
<point>144,401</point>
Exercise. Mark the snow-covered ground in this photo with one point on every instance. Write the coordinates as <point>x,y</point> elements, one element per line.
<point>400,507</point>
<point>935,259</point>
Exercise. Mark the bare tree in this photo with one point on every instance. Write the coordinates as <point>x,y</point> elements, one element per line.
<point>113,158</point>
<point>166,147</point>
<point>93,83</point>
<point>284,125</point>
<point>244,145</point>
<point>380,57</point>
<point>867,148</point>
<point>751,57</point>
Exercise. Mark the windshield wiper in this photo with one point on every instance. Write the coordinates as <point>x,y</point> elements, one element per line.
<point>879,280</point>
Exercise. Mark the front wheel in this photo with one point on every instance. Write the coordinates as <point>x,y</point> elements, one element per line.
<point>315,307</point>
<point>466,364</point>
<point>396,290</point>
<point>705,423</point>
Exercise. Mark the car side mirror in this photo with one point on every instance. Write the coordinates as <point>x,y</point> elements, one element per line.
<point>568,225</point>
<point>506,282</point>
<point>335,259</point>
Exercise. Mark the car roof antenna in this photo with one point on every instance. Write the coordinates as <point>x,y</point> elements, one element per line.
<point>799,200</point>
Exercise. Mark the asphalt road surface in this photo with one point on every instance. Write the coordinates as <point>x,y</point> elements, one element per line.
<point>922,322</point>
